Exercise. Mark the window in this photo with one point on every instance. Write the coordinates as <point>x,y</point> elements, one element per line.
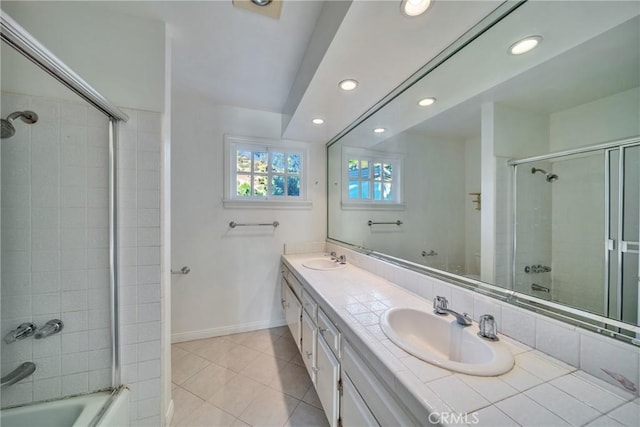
<point>371,179</point>
<point>263,172</point>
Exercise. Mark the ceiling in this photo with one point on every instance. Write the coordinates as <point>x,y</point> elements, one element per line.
<point>235,57</point>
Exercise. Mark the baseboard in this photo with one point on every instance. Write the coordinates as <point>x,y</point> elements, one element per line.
<point>169,415</point>
<point>226,330</point>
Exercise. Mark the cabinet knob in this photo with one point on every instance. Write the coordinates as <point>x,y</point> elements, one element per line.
<point>309,354</point>
<point>322,330</point>
<point>315,370</point>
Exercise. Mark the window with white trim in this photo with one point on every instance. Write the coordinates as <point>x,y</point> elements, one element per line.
<point>260,170</point>
<point>371,178</point>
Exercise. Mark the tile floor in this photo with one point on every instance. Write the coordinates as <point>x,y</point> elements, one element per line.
<point>256,378</point>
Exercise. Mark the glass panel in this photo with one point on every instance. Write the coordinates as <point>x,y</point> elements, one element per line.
<point>293,186</point>
<point>243,163</point>
<point>260,161</point>
<point>277,185</point>
<point>277,162</point>
<point>366,190</point>
<point>353,189</point>
<point>243,185</point>
<point>377,170</point>
<point>260,185</point>
<point>364,168</point>
<point>294,163</point>
<point>387,194</point>
<point>377,191</point>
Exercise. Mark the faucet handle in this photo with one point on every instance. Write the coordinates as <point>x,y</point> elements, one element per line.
<point>440,304</point>
<point>333,255</point>
<point>53,326</point>
<point>488,329</point>
<point>21,332</point>
<point>342,259</point>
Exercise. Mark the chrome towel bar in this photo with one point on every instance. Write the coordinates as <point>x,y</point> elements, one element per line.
<point>273,224</point>
<point>370,223</point>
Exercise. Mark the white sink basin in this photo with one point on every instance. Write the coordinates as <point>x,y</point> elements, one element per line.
<point>323,264</point>
<point>440,341</point>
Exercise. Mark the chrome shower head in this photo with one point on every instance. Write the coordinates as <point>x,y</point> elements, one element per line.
<point>551,177</point>
<point>8,130</point>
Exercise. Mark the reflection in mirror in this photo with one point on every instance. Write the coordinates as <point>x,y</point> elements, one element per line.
<point>480,193</point>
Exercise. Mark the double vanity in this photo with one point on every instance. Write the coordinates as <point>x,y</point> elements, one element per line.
<point>377,354</point>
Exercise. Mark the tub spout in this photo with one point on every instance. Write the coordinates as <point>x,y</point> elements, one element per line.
<point>20,373</point>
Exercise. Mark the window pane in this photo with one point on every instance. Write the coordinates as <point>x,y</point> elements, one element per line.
<point>364,168</point>
<point>386,191</point>
<point>243,185</point>
<point>353,190</point>
<point>377,191</point>
<point>260,185</point>
<point>277,185</point>
<point>293,186</point>
<point>243,161</point>
<point>294,163</point>
<point>366,189</point>
<point>260,161</point>
<point>277,160</point>
<point>354,169</point>
<point>377,167</point>
<point>387,172</point>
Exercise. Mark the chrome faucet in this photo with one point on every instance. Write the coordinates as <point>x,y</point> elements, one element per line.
<point>333,255</point>
<point>488,329</point>
<point>21,332</point>
<point>53,326</point>
<point>18,374</point>
<point>440,307</point>
<point>342,259</point>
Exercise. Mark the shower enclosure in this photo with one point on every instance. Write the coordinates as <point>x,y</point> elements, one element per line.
<point>576,228</point>
<point>58,264</point>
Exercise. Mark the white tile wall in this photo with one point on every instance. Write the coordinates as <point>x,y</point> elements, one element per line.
<point>54,246</point>
<point>139,277</point>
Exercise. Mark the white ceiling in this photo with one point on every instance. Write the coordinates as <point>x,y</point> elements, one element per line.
<point>235,57</point>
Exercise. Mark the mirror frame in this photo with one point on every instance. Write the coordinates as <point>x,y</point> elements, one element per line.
<point>570,315</point>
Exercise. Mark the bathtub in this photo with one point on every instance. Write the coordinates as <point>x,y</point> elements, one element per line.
<point>103,409</point>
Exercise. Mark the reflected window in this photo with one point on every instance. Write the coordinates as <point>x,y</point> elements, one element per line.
<point>371,177</point>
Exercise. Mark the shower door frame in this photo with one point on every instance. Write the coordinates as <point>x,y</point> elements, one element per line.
<point>611,326</point>
<point>24,43</point>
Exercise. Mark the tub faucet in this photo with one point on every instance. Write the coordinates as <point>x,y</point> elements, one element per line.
<point>18,374</point>
<point>440,307</point>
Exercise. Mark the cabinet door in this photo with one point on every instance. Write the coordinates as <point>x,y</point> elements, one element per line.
<point>292,314</point>
<point>353,410</point>
<point>309,333</point>
<point>327,376</point>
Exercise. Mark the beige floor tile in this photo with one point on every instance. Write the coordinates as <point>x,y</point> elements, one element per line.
<point>293,380</point>
<point>306,416</point>
<point>239,423</point>
<point>184,405</point>
<point>297,359</point>
<point>269,408</point>
<point>177,352</point>
<point>237,395</point>
<point>264,369</point>
<point>214,348</point>
<point>281,330</point>
<point>257,340</point>
<point>311,397</point>
<point>208,381</point>
<point>284,348</point>
<point>237,358</point>
<point>185,367</point>
<point>208,415</point>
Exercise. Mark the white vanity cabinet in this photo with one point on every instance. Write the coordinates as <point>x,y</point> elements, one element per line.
<point>327,381</point>
<point>309,340</point>
<point>353,410</point>
<point>292,312</point>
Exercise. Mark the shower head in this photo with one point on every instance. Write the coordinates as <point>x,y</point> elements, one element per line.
<point>551,177</point>
<point>8,130</point>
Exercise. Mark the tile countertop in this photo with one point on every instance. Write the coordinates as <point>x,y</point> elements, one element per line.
<point>539,390</point>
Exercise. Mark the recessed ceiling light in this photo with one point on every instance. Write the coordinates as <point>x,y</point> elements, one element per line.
<point>379,130</point>
<point>425,102</point>
<point>525,45</point>
<point>348,84</point>
<point>414,7</point>
<point>317,121</point>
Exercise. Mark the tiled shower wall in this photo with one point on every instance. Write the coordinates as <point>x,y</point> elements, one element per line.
<point>55,262</point>
<point>139,168</point>
<point>55,243</point>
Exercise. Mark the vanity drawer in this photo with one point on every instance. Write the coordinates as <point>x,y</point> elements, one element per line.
<point>310,306</point>
<point>329,332</point>
<point>293,283</point>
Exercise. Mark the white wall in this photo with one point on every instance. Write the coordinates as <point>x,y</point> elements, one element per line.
<point>232,284</point>
<point>121,56</point>
<point>472,215</point>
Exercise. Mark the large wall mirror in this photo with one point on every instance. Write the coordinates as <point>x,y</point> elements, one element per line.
<point>515,170</point>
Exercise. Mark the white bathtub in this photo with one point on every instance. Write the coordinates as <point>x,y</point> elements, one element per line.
<point>77,411</point>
